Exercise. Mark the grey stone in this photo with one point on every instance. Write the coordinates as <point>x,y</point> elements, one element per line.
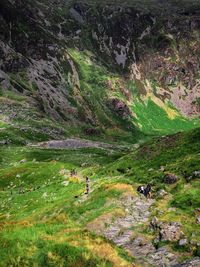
<point>75,15</point>
<point>170,178</point>
<point>170,231</point>
<point>154,223</point>
<point>162,168</point>
<point>197,173</point>
<point>198,219</point>
<point>161,193</point>
<point>183,242</point>
<point>195,262</point>
<point>172,209</point>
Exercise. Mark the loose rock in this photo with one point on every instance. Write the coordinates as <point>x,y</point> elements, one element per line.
<point>170,178</point>
<point>161,193</point>
<point>170,231</point>
<point>183,242</point>
<point>190,263</point>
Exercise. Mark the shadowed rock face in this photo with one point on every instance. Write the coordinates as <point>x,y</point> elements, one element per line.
<point>151,46</point>
<point>30,54</point>
<point>155,45</point>
<point>156,7</point>
<point>119,107</point>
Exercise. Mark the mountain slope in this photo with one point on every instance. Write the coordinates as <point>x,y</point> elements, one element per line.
<point>46,219</point>
<point>108,90</point>
<point>152,74</point>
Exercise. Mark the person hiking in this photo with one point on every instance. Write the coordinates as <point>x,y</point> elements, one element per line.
<point>73,173</point>
<point>87,183</point>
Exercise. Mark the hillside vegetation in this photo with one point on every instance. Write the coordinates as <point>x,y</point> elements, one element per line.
<point>51,222</point>
<point>98,98</point>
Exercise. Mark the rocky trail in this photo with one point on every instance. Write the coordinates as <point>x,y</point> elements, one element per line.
<point>121,232</point>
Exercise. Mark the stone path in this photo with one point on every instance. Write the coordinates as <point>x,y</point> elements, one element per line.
<point>121,233</point>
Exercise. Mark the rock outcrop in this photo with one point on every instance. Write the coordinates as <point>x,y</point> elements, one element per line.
<point>170,178</point>
<point>159,53</point>
<point>170,231</point>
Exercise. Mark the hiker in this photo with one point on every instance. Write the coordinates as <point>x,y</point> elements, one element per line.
<point>87,181</point>
<point>145,190</point>
<point>73,172</point>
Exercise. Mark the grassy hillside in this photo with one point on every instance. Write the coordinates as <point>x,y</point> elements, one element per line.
<point>48,224</point>
<point>23,122</point>
<point>149,115</point>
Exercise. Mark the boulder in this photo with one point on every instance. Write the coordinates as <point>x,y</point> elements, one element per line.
<point>163,257</point>
<point>119,107</point>
<point>183,242</point>
<point>196,174</point>
<point>195,262</point>
<point>141,247</point>
<point>161,193</point>
<point>162,168</point>
<point>22,161</point>
<point>170,178</point>
<point>170,231</point>
<point>154,224</point>
<point>5,142</point>
<point>92,131</point>
<point>198,219</point>
<point>172,209</point>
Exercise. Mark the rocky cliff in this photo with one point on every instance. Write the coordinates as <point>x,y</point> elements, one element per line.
<point>103,65</point>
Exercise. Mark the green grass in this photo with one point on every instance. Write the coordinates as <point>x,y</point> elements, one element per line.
<point>41,226</point>
<point>154,120</point>
<point>147,118</point>
<point>94,94</point>
<point>178,153</point>
<point>40,215</point>
<point>187,199</point>
<point>2,124</point>
<point>43,252</point>
<point>48,224</point>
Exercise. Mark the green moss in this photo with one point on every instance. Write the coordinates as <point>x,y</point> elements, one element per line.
<point>187,199</point>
